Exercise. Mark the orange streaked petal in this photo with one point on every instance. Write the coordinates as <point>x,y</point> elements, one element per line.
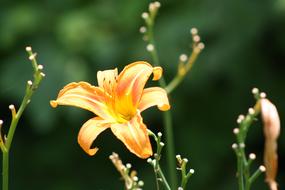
<point>89,132</point>
<point>85,96</point>
<point>154,96</point>
<point>134,135</point>
<point>133,78</point>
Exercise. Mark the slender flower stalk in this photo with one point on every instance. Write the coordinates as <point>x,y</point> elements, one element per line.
<point>155,162</point>
<point>167,117</point>
<point>184,66</point>
<point>16,115</point>
<point>182,162</point>
<point>129,176</point>
<point>185,63</point>
<point>271,131</point>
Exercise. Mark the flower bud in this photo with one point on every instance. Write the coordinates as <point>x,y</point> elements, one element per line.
<point>270,119</point>
<point>271,131</point>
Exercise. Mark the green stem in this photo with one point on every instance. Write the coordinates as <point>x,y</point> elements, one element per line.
<point>167,118</point>
<point>174,83</point>
<point>240,173</point>
<point>163,178</point>
<point>187,67</point>
<point>5,171</point>
<point>6,143</point>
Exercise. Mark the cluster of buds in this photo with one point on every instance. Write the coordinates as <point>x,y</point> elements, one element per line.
<point>149,18</point>
<point>182,162</point>
<point>151,14</point>
<point>197,44</point>
<point>271,129</point>
<point>186,62</point>
<point>5,141</point>
<point>132,182</point>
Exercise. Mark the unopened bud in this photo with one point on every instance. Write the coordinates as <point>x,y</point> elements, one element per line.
<point>262,168</point>
<point>145,15</point>
<point>252,156</point>
<point>262,95</point>
<point>40,67</point>
<point>142,29</point>
<point>194,31</point>
<point>150,47</point>
<point>28,48</point>
<point>251,111</point>
<point>183,57</point>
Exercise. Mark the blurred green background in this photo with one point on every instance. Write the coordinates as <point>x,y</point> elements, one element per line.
<point>245,46</point>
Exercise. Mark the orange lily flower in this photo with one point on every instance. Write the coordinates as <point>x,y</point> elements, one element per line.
<point>117,101</point>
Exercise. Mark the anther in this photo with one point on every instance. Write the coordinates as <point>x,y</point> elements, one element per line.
<point>1,122</point>
<point>159,134</point>
<point>128,165</point>
<point>185,160</point>
<point>42,74</point>
<point>161,144</point>
<point>180,188</point>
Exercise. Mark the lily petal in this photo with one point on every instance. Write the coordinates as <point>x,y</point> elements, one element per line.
<point>154,96</point>
<point>133,78</point>
<point>85,96</point>
<point>89,132</point>
<point>134,135</point>
<point>271,131</point>
<point>107,80</point>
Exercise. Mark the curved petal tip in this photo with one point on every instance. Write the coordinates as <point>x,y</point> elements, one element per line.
<point>163,107</point>
<point>53,103</point>
<point>157,73</point>
<point>91,152</point>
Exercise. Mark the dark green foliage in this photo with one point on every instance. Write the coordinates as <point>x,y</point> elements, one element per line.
<point>245,45</point>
